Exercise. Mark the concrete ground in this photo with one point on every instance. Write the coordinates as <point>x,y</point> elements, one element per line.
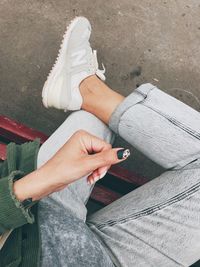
<point>138,41</point>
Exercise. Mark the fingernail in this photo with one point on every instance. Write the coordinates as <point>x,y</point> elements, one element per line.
<point>102,175</point>
<point>123,153</point>
<point>90,182</point>
<point>94,180</point>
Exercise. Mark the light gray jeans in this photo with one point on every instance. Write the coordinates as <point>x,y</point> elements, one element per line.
<point>157,224</point>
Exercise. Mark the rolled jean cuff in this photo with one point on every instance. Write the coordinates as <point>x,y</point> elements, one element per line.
<point>161,127</point>
<point>137,96</point>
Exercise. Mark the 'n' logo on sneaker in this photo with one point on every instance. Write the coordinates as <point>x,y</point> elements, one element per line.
<point>78,58</point>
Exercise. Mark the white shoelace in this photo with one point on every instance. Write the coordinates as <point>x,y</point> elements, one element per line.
<point>99,73</point>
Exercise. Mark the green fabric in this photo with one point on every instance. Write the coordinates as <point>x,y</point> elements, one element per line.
<point>23,245</point>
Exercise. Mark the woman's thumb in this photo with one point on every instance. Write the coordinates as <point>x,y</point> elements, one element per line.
<point>108,157</point>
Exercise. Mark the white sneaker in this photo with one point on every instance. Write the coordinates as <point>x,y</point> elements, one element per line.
<point>75,62</point>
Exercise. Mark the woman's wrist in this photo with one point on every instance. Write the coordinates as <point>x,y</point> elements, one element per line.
<point>34,185</point>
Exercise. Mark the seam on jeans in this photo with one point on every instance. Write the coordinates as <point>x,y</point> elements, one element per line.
<point>176,122</point>
<point>190,166</point>
<point>142,101</point>
<point>145,95</point>
<point>152,209</point>
<point>117,114</point>
<point>157,250</point>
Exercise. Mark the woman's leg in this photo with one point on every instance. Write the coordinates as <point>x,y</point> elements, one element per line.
<point>163,128</point>
<point>66,239</point>
<point>157,224</point>
<point>76,195</point>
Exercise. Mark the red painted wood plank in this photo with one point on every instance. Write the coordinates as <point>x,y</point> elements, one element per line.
<point>104,195</point>
<point>126,175</point>
<point>2,152</point>
<point>17,132</point>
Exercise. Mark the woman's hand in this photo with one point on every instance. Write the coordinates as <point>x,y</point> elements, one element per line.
<point>83,154</point>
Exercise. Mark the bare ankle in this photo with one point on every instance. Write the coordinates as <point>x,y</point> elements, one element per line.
<point>98,98</point>
<point>90,85</point>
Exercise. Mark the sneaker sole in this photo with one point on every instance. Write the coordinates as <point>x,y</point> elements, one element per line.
<point>48,89</point>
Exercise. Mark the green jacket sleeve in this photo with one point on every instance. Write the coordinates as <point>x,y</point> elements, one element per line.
<point>12,212</point>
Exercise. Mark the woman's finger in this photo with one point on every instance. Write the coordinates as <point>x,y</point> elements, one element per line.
<point>97,174</point>
<point>107,157</point>
<point>93,144</point>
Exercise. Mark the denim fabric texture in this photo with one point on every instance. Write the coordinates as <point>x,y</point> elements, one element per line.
<point>157,224</point>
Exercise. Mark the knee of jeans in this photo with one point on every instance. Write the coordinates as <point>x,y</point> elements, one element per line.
<point>76,121</point>
<point>87,121</point>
